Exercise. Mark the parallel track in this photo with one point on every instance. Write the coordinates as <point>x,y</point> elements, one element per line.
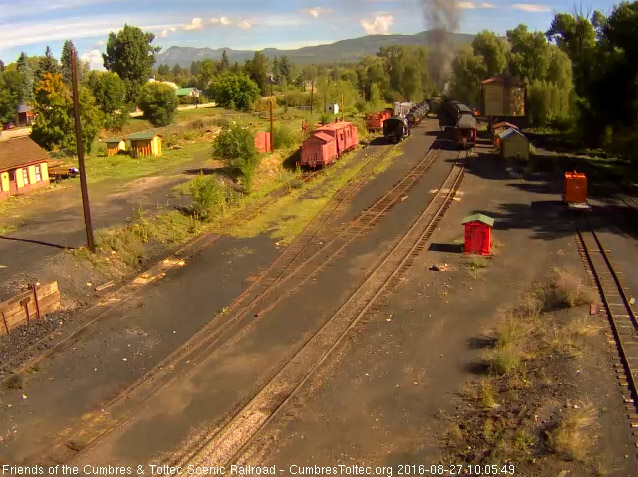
<point>210,335</point>
<point>228,443</point>
<point>622,318</point>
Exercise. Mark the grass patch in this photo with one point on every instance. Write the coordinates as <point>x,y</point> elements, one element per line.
<point>487,395</point>
<point>288,217</point>
<point>573,436</point>
<point>124,167</point>
<point>569,289</point>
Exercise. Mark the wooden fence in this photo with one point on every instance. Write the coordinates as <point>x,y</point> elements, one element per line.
<point>29,305</point>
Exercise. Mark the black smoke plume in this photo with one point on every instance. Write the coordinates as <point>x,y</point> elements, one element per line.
<point>442,17</point>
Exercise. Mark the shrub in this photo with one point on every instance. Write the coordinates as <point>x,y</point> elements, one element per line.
<point>208,195</point>
<point>235,92</point>
<point>158,101</point>
<point>263,105</point>
<point>235,145</point>
<point>294,99</point>
<point>569,289</point>
<point>573,435</point>
<point>286,138</point>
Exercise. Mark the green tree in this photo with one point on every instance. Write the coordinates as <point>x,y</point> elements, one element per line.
<point>129,53</point>
<point>468,70</point>
<point>224,62</point>
<point>54,126</point>
<point>110,93</point>
<point>529,53</point>
<point>1,66</point>
<point>9,92</point>
<point>207,71</point>
<point>257,70</point>
<point>164,71</point>
<point>235,145</point>
<point>48,64</point>
<point>493,50</point>
<point>235,91</point>
<point>286,69</point>
<point>65,63</point>
<point>25,71</point>
<point>158,101</point>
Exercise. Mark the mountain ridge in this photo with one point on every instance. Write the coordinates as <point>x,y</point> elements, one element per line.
<point>350,50</point>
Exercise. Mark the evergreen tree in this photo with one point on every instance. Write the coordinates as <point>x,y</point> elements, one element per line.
<point>285,69</point>
<point>47,64</point>
<point>224,62</point>
<point>67,52</point>
<point>1,66</point>
<point>25,94</point>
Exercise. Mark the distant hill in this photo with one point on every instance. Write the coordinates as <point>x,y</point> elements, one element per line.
<point>345,50</point>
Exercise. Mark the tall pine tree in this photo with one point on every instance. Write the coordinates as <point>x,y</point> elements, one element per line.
<point>67,52</point>
<point>48,64</point>
<point>25,94</point>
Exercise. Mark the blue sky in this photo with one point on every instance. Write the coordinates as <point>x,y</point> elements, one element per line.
<point>30,25</point>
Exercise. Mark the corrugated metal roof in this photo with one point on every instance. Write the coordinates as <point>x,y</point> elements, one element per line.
<point>19,152</point>
<point>479,218</point>
<point>114,140</point>
<point>142,136</point>
<point>509,132</point>
<point>24,108</point>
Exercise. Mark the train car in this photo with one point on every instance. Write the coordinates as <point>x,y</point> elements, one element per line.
<point>395,129</point>
<point>375,121</point>
<point>458,123</point>
<point>345,134</point>
<point>327,143</point>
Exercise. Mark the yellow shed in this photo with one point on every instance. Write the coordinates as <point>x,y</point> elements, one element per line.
<point>145,144</point>
<point>513,144</point>
<point>114,145</point>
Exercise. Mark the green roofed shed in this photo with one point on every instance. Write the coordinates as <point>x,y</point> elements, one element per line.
<point>115,144</point>
<point>142,136</point>
<point>186,92</point>
<point>484,219</point>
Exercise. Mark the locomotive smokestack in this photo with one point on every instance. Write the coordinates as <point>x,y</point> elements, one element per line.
<point>442,17</point>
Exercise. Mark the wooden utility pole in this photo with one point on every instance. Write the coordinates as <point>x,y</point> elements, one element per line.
<point>272,130</point>
<point>80,145</point>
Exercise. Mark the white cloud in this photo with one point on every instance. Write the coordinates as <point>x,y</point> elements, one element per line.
<point>379,26</point>
<point>225,21</point>
<point>101,43</point>
<point>472,5</point>
<point>163,34</point>
<point>531,7</point>
<point>316,12</point>
<point>244,24</point>
<point>195,24</point>
<point>94,59</point>
<point>173,29</point>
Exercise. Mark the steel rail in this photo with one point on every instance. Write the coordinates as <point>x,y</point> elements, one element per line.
<point>238,433</point>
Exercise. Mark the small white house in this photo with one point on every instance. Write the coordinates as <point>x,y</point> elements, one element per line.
<point>333,108</point>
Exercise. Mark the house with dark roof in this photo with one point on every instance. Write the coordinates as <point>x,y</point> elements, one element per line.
<point>25,114</point>
<point>23,167</point>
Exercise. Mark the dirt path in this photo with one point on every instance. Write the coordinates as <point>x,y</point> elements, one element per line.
<point>59,219</point>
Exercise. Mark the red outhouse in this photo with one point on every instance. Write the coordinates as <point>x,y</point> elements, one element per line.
<point>262,142</point>
<point>478,234</point>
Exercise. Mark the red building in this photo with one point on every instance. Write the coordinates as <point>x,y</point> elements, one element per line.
<point>478,234</point>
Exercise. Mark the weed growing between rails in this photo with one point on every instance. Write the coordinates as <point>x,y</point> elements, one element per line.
<point>527,407</point>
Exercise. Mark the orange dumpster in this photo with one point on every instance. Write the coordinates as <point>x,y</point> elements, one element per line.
<point>575,187</point>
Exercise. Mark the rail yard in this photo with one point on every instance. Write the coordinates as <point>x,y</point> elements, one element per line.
<point>402,254</point>
<point>155,376</point>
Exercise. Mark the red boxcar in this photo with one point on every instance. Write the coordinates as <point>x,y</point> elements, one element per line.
<point>345,133</point>
<point>327,143</point>
<point>318,150</point>
<point>375,120</point>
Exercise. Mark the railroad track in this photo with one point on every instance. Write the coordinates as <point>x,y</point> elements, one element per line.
<point>225,445</point>
<point>622,318</point>
<point>209,336</point>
